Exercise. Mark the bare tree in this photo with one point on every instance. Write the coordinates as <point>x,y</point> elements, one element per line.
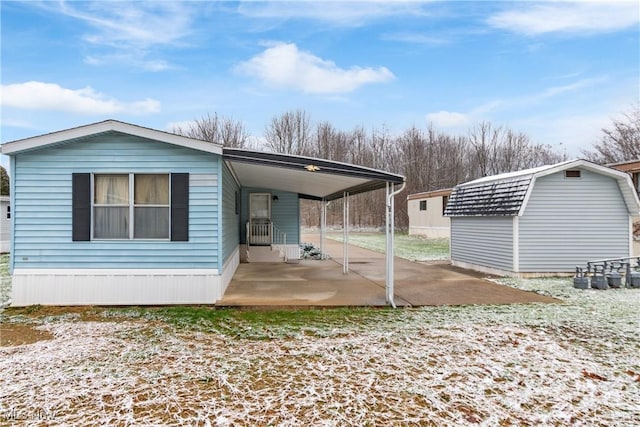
<point>289,133</point>
<point>221,130</point>
<point>4,182</point>
<point>619,143</point>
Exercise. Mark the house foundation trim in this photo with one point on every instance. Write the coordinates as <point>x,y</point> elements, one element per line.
<point>115,287</point>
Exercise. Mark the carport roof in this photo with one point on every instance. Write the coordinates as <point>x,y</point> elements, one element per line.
<point>310,177</point>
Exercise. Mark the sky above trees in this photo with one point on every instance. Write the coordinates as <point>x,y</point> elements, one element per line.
<point>558,72</point>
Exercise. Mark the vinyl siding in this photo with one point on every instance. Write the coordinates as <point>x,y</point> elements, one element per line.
<point>42,211</point>
<point>569,221</point>
<point>230,220</point>
<point>285,212</point>
<point>485,241</point>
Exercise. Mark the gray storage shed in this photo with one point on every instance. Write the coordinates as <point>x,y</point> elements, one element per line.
<point>542,221</point>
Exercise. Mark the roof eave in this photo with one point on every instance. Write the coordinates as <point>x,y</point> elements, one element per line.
<point>291,161</point>
<point>49,139</point>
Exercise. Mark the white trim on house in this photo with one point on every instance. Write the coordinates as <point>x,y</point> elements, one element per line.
<point>115,287</point>
<point>631,251</point>
<point>116,272</point>
<point>228,270</point>
<point>516,244</point>
<point>80,132</point>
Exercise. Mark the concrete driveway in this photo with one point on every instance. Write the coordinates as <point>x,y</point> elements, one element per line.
<point>321,283</point>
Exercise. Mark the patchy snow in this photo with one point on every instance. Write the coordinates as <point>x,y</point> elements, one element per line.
<point>5,281</point>
<point>413,248</point>
<point>576,362</point>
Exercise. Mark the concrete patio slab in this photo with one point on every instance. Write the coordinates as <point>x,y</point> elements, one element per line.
<point>321,283</point>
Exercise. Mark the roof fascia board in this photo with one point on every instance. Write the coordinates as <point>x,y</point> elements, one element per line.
<point>428,194</point>
<point>585,164</point>
<point>362,188</point>
<point>36,142</point>
<point>527,195</point>
<point>295,162</point>
<point>233,173</point>
<point>310,197</point>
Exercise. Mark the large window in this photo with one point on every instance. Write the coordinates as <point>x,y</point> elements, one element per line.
<point>131,206</point>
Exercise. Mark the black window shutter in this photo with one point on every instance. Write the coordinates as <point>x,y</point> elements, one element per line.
<point>180,207</point>
<point>81,207</point>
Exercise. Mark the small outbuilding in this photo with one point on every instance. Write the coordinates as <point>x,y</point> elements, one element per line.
<point>542,221</point>
<point>426,214</point>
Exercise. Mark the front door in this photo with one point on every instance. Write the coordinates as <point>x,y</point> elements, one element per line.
<point>260,218</point>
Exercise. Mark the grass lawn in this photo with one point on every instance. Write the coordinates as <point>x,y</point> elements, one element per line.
<point>413,248</point>
<point>571,363</point>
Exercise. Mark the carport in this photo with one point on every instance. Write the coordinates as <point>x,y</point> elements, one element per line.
<point>324,181</point>
<point>322,284</point>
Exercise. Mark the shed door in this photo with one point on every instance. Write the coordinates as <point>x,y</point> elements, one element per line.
<point>260,218</point>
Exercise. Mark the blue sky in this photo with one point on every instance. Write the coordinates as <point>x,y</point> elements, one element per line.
<point>558,72</point>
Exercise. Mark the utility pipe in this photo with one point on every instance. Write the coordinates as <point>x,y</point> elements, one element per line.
<point>390,228</point>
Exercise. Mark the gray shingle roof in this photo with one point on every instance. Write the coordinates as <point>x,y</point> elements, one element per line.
<point>505,194</point>
<point>496,198</point>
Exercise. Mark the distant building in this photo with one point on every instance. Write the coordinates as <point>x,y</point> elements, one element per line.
<point>426,213</point>
<point>5,224</point>
<point>632,168</point>
<point>542,221</point>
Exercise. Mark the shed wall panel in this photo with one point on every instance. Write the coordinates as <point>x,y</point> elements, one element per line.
<point>42,211</point>
<point>486,241</point>
<point>569,221</point>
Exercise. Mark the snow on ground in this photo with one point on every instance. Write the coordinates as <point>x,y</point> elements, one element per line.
<point>5,281</point>
<point>576,362</point>
<point>572,363</point>
<point>413,248</point>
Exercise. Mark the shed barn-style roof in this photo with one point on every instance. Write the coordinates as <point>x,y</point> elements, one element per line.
<point>507,194</point>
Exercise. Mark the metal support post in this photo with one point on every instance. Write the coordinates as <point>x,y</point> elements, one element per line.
<point>345,236</point>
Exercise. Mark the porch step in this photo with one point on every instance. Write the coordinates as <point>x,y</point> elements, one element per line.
<point>264,254</point>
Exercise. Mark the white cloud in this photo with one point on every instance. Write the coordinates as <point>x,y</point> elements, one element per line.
<point>50,96</point>
<point>135,60</point>
<point>570,17</point>
<point>448,119</point>
<point>132,29</point>
<point>284,65</point>
<point>416,38</point>
<point>138,23</point>
<point>352,13</point>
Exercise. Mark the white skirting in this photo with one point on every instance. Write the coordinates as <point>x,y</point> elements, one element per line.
<point>500,272</point>
<point>115,287</point>
<point>228,270</point>
<point>292,251</point>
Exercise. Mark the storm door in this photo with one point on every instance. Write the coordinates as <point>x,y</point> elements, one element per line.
<point>260,218</point>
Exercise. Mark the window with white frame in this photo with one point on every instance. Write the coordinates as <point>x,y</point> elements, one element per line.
<point>423,205</point>
<point>131,206</point>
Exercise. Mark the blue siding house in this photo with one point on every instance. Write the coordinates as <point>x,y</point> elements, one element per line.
<point>117,214</point>
<point>542,221</point>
